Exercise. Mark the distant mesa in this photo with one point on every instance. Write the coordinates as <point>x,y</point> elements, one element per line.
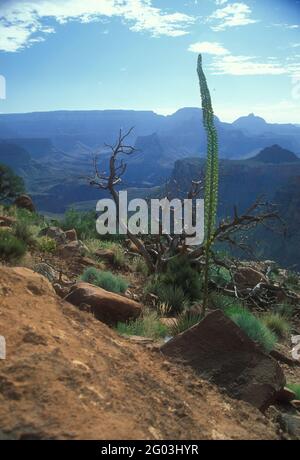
<point>275,155</point>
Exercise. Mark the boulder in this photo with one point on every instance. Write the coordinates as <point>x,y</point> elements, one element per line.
<point>55,233</point>
<point>24,202</point>
<point>248,277</point>
<point>72,249</point>
<point>71,235</point>
<point>108,307</point>
<point>105,254</point>
<point>218,350</point>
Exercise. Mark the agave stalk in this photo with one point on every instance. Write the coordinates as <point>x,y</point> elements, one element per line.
<point>211,175</point>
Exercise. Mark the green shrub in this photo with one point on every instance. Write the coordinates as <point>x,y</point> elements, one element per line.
<point>105,280</point>
<point>24,232</point>
<point>179,272</point>
<point>85,225</point>
<point>277,324</point>
<point>83,222</point>
<point>178,286</point>
<point>46,244</point>
<point>11,248</point>
<point>295,387</point>
<point>148,325</point>
<point>183,322</point>
<point>173,296</point>
<point>255,329</point>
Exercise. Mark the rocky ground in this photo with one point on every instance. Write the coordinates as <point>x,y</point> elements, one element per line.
<point>69,376</point>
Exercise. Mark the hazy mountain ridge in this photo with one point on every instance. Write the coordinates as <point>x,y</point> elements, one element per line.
<point>241,183</point>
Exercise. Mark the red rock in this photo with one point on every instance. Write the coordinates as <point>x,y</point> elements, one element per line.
<point>218,350</point>
<point>108,307</point>
<point>25,202</point>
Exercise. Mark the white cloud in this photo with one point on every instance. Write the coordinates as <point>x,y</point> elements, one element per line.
<point>285,25</point>
<point>209,48</point>
<point>221,2</point>
<point>22,21</point>
<point>245,65</point>
<point>232,15</point>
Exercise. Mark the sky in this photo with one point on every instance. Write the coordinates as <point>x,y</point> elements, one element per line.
<point>142,55</point>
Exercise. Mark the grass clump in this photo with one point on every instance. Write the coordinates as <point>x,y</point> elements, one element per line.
<point>11,248</point>
<point>138,265</point>
<point>255,329</point>
<point>178,286</point>
<point>148,325</point>
<point>183,322</point>
<point>295,387</point>
<point>105,280</point>
<point>277,324</point>
<point>170,295</point>
<point>225,302</point>
<point>284,309</point>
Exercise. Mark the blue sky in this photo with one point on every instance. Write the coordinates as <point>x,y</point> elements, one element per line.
<point>141,54</point>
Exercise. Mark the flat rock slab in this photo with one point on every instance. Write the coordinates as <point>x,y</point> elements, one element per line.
<point>218,350</point>
<point>108,307</point>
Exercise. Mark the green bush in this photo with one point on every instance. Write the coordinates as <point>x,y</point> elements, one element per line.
<point>171,295</point>
<point>105,280</point>
<point>180,273</point>
<point>83,222</point>
<point>24,232</point>
<point>295,387</point>
<point>11,248</point>
<point>255,329</point>
<point>46,244</point>
<point>183,322</point>
<point>178,286</point>
<point>277,324</point>
<point>85,225</point>
<point>148,325</point>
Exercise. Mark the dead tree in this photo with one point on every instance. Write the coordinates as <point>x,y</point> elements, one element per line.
<point>117,168</point>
